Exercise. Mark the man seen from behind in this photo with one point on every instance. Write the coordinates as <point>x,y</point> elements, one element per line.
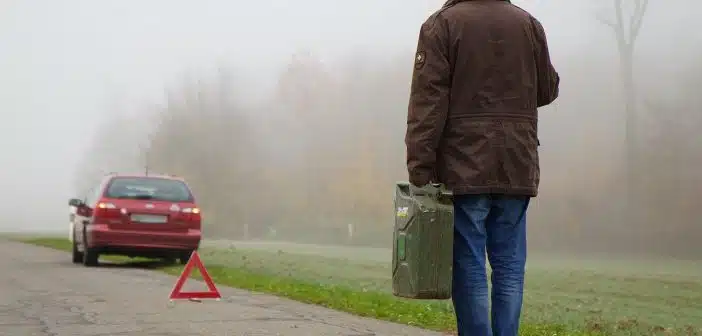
<point>481,71</point>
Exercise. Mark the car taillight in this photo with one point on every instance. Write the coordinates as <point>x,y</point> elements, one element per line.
<point>103,205</point>
<point>106,210</point>
<point>194,218</point>
<point>191,210</point>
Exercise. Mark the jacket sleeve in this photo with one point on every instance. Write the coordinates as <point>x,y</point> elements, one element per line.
<point>548,79</point>
<point>428,102</point>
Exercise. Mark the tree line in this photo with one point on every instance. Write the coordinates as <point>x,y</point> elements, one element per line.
<point>315,160</point>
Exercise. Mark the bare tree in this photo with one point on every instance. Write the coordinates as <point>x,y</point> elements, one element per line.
<point>626,28</point>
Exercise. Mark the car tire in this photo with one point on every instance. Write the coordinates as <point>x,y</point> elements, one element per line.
<point>77,255</point>
<point>90,257</point>
<point>185,257</point>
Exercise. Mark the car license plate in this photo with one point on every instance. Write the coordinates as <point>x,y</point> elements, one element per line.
<point>150,219</point>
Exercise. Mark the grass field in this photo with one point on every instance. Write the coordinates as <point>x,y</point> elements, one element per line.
<point>562,298</point>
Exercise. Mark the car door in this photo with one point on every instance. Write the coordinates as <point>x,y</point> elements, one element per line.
<point>71,221</point>
<point>85,212</point>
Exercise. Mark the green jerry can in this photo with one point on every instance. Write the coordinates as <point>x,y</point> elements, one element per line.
<point>422,259</point>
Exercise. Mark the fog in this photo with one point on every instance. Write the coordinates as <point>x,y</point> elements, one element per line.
<point>288,117</point>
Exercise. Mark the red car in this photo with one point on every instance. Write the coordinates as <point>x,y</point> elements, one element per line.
<point>136,216</point>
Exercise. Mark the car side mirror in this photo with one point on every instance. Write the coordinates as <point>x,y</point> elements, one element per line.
<point>75,202</point>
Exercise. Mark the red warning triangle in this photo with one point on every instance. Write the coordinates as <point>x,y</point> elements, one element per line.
<point>177,294</point>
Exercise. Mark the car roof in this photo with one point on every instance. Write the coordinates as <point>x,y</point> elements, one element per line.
<point>161,176</point>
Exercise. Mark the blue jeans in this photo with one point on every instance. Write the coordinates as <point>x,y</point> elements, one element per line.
<point>497,225</point>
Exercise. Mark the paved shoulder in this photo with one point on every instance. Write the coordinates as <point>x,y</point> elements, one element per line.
<point>42,293</point>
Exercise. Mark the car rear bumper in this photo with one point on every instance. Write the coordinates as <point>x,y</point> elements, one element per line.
<point>102,237</point>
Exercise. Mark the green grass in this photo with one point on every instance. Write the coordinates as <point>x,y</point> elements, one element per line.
<point>561,299</point>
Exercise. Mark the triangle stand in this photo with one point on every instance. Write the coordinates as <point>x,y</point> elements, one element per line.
<point>178,294</point>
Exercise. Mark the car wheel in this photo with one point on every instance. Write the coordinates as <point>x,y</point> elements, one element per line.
<point>90,257</point>
<point>77,255</point>
<point>185,257</point>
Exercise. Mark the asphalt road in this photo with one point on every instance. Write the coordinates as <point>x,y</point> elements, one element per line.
<point>42,293</point>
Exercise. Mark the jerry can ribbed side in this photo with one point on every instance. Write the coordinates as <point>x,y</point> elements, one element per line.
<point>422,242</point>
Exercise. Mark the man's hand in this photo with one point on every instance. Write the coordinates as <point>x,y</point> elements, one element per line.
<point>420,178</point>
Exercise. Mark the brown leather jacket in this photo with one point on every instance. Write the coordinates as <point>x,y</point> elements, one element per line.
<point>481,70</point>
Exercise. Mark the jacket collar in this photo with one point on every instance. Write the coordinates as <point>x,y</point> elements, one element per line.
<point>450,3</point>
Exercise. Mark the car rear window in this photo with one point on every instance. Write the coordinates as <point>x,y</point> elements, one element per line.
<point>149,188</point>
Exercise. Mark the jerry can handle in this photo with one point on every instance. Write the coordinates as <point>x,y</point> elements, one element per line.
<point>434,190</point>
